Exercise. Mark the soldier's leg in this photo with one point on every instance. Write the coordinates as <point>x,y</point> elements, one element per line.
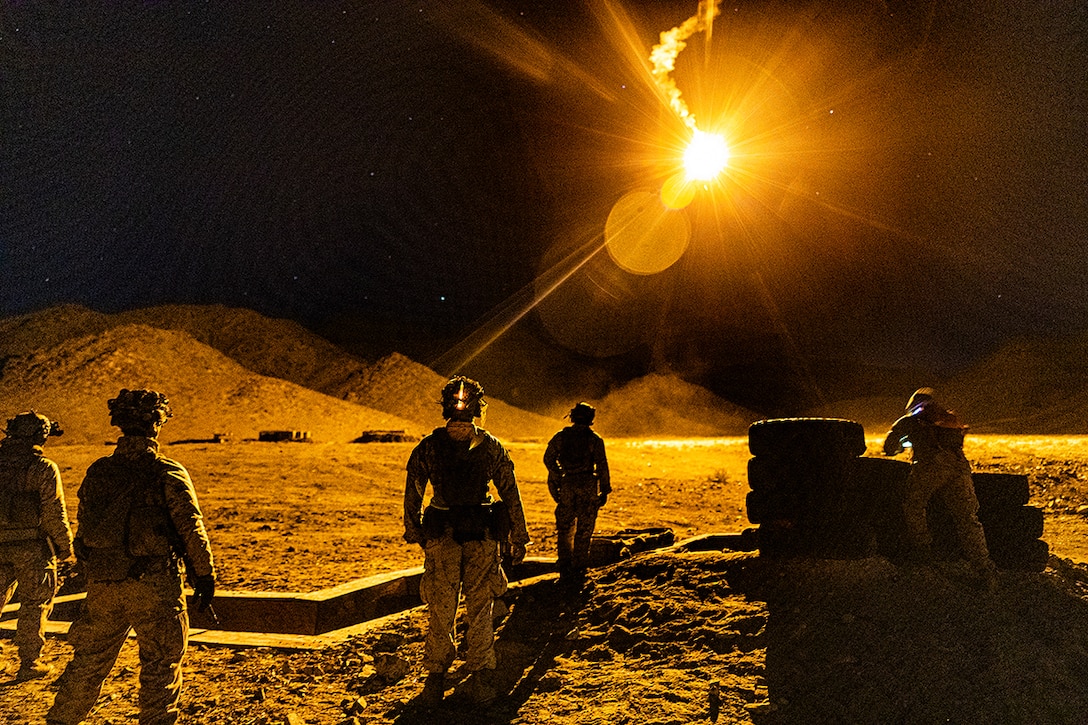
<point>7,582</point>
<point>484,580</point>
<point>922,481</point>
<point>566,517</point>
<point>586,522</point>
<point>96,637</point>
<point>440,590</point>
<point>37,576</point>
<point>959,498</point>
<point>162,632</point>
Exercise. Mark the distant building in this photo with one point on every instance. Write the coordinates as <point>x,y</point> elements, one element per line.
<point>385,436</point>
<point>291,436</point>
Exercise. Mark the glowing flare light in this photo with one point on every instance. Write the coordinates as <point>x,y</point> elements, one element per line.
<point>706,156</point>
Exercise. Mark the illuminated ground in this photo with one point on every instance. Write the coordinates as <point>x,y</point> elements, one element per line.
<point>649,638</point>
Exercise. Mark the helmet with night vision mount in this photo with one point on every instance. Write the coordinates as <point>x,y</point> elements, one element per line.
<point>33,425</point>
<point>462,399</point>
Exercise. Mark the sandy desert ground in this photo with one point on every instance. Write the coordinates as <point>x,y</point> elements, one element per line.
<point>660,638</point>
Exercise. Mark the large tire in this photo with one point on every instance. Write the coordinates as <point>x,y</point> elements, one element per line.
<point>806,437</point>
<point>1001,490</point>
<point>769,506</point>
<point>1017,524</point>
<point>883,483</point>
<point>1026,556</point>
<point>808,478</point>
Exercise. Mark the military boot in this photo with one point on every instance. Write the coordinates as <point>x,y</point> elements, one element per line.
<point>434,688</point>
<point>480,687</point>
<point>33,670</point>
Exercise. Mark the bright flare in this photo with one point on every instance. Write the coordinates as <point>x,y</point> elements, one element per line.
<point>706,156</point>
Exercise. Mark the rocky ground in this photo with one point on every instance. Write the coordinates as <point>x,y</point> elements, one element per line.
<point>665,637</point>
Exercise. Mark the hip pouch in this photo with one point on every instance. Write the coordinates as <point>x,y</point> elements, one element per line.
<point>470,523</point>
<point>434,523</point>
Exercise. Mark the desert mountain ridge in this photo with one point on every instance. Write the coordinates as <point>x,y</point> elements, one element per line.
<point>229,370</point>
<point>233,370</point>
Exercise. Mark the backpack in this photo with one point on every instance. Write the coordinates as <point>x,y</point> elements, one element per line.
<point>20,505</point>
<point>123,506</point>
<point>576,450</point>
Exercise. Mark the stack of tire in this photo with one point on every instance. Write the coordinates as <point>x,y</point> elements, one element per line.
<point>1013,529</point>
<point>813,493</point>
<point>804,496</point>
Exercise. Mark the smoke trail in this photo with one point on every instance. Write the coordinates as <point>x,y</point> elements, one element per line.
<point>663,55</point>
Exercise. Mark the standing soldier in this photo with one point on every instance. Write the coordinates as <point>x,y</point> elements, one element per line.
<point>460,532</point>
<point>579,484</point>
<point>938,468</point>
<point>34,531</point>
<point>138,518</point>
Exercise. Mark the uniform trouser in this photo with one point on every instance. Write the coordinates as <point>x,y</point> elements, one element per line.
<point>946,476</point>
<point>449,569</point>
<point>31,567</point>
<point>154,607</point>
<point>575,519</point>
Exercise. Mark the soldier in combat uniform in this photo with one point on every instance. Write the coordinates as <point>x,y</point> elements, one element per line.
<point>579,484</point>
<point>460,531</point>
<point>938,468</point>
<point>34,532</point>
<point>138,519</point>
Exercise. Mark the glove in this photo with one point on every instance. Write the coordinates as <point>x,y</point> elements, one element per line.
<point>517,553</point>
<point>602,500</point>
<point>413,536</point>
<point>204,591</point>
<point>553,486</point>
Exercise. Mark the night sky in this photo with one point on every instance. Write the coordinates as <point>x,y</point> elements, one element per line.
<point>908,186</point>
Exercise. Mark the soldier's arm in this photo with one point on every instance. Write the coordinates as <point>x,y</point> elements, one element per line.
<point>893,443</point>
<point>507,486</point>
<point>415,486</point>
<point>54,512</point>
<point>551,456</point>
<point>601,461</point>
<point>188,520</point>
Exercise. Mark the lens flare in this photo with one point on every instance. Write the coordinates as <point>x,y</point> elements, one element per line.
<point>643,236</point>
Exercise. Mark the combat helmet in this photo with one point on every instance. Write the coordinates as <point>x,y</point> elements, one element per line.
<point>919,397</point>
<point>462,399</point>
<point>582,413</point>
<point>32,425</point>
<point>139,411</point>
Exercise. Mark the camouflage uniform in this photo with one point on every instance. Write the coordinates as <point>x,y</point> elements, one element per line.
<point>456,531</point>
<point>138,513</point>
<point>34,530</point>
<point>579,482</point>
<point>938,468</point>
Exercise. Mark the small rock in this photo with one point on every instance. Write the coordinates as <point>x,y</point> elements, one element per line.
<point>293,719</point>
<point>550,682</point>
<point>1082,510</point>
<point>388,642</point>
<point>761,709</point>
<point>355,707</point>
<point>390,667</point>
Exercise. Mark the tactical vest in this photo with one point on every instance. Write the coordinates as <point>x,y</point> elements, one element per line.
<point>123,507</point>
<point>20,503</point>
<point>576,450</point>
<point>461,473</point>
